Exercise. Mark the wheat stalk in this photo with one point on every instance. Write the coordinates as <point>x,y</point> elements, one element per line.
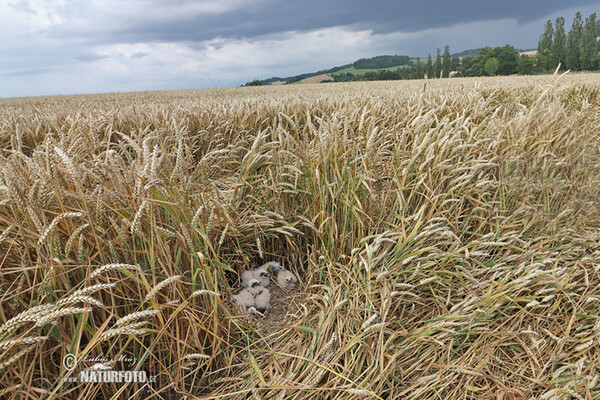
<point>137,218</point>
<point>55,222</point>
<point>15,357</point>
<point>4,234</point>
<point>93,289</point>
<point>51,317</point>
<point>31,315</point>
<point>137,315</point>
<point>161,285</point>
<point>131,329</point>
<point>26,340</point>
<point>205,291</point>
<point>109,267</point>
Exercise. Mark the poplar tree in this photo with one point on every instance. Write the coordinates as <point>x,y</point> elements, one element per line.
<point>559,45</point>
<point>418,69</point>
<point>589,44</point>
<point>545,45</point>
<point>429,70</point>
<point>438,64</point>
<point>446,62</point>
<point>573,56</point>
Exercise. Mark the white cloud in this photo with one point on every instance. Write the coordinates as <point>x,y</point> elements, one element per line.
<point>36,14</point>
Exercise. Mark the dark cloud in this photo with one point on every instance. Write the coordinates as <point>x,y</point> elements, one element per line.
<point>272,17</point>
<point>139,54</point>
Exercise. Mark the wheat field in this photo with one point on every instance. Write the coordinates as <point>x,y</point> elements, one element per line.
<point>446,235</point>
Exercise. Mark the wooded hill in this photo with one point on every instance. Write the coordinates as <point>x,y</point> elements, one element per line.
<point>579,50</point>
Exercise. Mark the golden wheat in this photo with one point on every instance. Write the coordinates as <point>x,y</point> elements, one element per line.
<point>447,239</point>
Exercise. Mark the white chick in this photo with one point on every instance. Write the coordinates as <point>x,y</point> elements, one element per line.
<point>246,277</point>
<point>287,279</point>
<point>262,300</point>
<point>277,268</point>
<point>272,264</point>
<point>262,274</point>
<point>245,300</point>
<point>254,286</point>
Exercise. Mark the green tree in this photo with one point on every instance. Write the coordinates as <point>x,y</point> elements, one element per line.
<point>508,59</point>
<point>381,62</point>
<point>438,64</point>
<point>506,56</point>
<point>446,62</point>
<point>589,44</point>
<point>545,44</point>
<point>491,66</point>
<point>573,56</point>
<point>467,66</point>
<point>455,64</point>
<point>527,65</point>
<point>418,72</point>
<point>255,82</point>
<point>429,67</point>
<point>479,61</point>
<point>559,45</point>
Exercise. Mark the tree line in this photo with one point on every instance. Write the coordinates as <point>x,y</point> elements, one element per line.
<point>381,62</point>
<point>489,61</point>
<point>577,51</point>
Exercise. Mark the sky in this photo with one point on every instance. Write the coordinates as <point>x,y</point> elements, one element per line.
<point>52,47</point>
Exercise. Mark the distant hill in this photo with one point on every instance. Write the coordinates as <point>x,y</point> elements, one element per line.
<point>377,62</point>
<point>318,79</point>
<point>361,67</point>
<point>474,52</point>
<point>298,78</point>
<point>464,53</point>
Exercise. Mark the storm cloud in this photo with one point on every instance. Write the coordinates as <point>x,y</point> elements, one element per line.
<point>187,20</point>
<point>78,46</point>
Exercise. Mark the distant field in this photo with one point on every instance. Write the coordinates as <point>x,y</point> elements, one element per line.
<point>317,78</point>
<point>529,53</point>
<point>446,234</point>
<point>355,71</point>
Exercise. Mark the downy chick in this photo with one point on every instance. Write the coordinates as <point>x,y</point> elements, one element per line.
<point>246,277</point>
<point>285,278</point>
<point>262,300</point>
<point>262,274</point>
<point>271,264</point>
<point>244,300</point>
